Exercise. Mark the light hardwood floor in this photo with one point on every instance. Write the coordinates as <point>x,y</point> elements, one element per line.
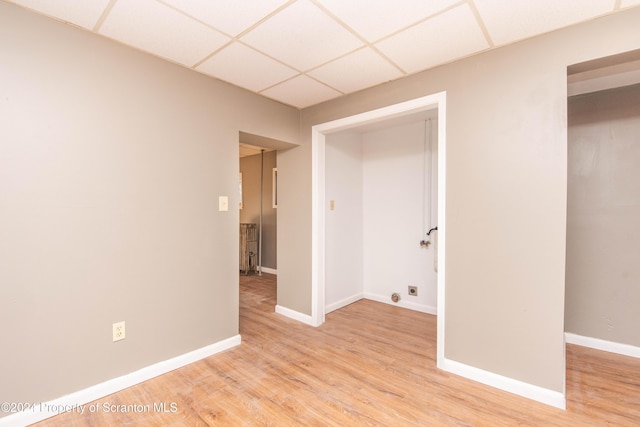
<point>370,364</point>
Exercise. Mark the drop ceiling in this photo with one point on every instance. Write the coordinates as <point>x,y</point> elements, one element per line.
<point>303,52</point>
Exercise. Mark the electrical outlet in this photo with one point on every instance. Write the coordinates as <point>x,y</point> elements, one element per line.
<point>118,331</point>
<point>413,291</point>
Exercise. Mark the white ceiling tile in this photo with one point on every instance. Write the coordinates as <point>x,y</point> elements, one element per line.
<point>414,34</point>
<point>301,92</point>
<point>358,70</point>
<point>243,66</point>
<point>158,29</point>
<point>230,16</point>
<point>519,19</point>
<point>374,19</point>
<point>441,39</point>
<point>302,36</point>
<point>79,12</point>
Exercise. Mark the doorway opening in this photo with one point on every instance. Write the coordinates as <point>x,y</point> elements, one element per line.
<point>258,216</point>
<point>320,205</point>
<point>381,218</point>
<point>257,187</point>
<point>603,209</point>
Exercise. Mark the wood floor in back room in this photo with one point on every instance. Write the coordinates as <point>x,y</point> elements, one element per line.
<point>370,364</point>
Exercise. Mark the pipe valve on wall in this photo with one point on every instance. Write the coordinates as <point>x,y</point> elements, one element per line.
<point>425,243</point>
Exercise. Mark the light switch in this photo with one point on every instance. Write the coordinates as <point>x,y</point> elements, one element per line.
<point>332,205</point>
<point>223,203</point>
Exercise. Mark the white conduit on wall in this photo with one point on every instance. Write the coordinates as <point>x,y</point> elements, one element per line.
<point>424,181</point>
<point>424,242</point>
<point>428,131</point>
<point>427,182</point>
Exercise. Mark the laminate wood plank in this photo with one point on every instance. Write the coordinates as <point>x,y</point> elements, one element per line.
<point>370,364</point>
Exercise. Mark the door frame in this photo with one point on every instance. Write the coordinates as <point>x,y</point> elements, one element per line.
<point>318,171</point>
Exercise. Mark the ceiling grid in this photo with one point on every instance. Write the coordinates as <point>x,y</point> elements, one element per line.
<point>303,52</point>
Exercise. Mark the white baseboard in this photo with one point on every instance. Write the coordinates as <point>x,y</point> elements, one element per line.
<point>295,315</point>
<point>530,391</point>
<point>78,400</point>
<point>343,303</point>
<point>386,299</point>
<point>269,270</point>
<point>598,344</point>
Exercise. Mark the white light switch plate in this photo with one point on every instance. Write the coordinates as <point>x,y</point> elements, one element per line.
<point>223,203</point>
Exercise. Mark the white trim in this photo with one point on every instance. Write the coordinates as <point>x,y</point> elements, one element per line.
<point>241,204</point>
<point>530,391</point>
<point>343,303</point>
<point>317,225</point>
<point>318,132</point>
<point>598,344</point>
<point>386,299</point>
<point>274,188</point>
<point>295,315</point>
<point>80,398</point>
<point>269,270</point>
<point>442,228</point>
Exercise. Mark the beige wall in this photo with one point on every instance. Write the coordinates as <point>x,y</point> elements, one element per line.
<point>250,168</point>
<point>603,223</point>
<point>111,164</point>
<point>294,228</point>
<point>344,223</point>
<point>506,195</point>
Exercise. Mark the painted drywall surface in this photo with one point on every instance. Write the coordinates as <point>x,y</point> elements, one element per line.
<point>294,229</point>
<point>603,216</point>
<point>396,212</point>
<point>111,165</point>
<point>250,213</point>
<point>343,224</point>
<point>506,194</point>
